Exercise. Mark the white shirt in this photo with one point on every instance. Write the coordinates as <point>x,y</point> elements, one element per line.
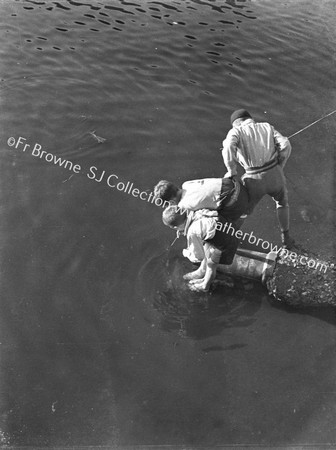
<point>198,194</point>
<point>253,144</point>
<point>200,226</point>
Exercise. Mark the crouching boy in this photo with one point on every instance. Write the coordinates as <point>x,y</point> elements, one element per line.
<point>210,230</point>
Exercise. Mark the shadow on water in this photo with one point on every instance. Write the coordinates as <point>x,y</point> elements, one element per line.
<point>327,313</point>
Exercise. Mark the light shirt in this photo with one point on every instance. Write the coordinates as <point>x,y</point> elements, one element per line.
<point>253,144</point>
<point>200,226</point>
<point>198,194</point>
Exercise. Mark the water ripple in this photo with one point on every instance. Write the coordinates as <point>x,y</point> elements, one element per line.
<point>84,262</point>
<point>190,314</point>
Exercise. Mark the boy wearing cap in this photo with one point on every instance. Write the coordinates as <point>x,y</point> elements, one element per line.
<point>263,152</point>
<point>216,237</point>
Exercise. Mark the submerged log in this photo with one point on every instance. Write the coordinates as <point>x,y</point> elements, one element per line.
<point>294,279</point>
<point>297,284</point>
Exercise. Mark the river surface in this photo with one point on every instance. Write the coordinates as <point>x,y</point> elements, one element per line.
<point>102,344</point>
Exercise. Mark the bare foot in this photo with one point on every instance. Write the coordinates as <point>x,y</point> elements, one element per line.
<point>192,276</point>
<point>196,281</point>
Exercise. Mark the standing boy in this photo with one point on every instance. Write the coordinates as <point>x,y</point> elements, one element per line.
<point>262,152</point>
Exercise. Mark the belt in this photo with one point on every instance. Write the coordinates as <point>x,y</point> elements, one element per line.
<point>269,165</point>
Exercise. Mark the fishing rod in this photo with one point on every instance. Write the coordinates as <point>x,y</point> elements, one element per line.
<point>311,124</point>
<point>302,129</point>
<point>178,233</point>
<point>289,137</point>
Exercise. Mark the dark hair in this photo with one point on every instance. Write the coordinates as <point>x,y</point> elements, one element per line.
<point>240,114</point>
<point>165,190</point>
<point>172,216</point>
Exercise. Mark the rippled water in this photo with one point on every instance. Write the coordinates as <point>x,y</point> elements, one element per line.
<point>101,342</point>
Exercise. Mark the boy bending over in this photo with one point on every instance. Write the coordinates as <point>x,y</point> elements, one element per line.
<point>213,232</point>
<point>228,196</point>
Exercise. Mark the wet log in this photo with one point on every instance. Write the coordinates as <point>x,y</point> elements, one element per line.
<point>298,284</point>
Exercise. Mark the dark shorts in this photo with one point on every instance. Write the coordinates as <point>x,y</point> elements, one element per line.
<point>232,212</point>
<point>225,241</point>
<point>271,182</point>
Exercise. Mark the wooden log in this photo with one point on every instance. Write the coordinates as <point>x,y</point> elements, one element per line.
<point>299,284</point>
<point>296,279</point>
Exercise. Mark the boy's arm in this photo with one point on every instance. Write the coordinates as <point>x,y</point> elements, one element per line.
<point>194,251</point>
<point>210,261</point>
<point>229,153</point>
<point>283,146</point>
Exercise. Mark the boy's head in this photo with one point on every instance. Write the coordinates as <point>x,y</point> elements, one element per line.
<point>173,218</point>
<point>165,190</point>
<point>240,114</point>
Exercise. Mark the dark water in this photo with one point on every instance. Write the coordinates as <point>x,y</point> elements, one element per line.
<point>101,343</point>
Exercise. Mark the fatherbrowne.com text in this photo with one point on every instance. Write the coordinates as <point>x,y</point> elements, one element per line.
<point>266,245</point>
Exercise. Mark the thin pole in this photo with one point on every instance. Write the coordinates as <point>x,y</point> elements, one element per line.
<point>318,120</point>
<point>174,241</point>
<point>177,236</point>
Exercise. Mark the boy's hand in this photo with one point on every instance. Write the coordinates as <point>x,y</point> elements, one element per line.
<point>194,276</point>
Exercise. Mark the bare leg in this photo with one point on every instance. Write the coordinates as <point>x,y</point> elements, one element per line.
<point>196,274</point>
<point>283,218</point>
<point>210,274</point>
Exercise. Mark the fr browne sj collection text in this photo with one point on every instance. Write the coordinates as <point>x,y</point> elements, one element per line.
<point>93,173</point>
<point>112,181</point>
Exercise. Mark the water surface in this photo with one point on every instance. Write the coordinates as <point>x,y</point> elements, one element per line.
<point>101,342</point>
